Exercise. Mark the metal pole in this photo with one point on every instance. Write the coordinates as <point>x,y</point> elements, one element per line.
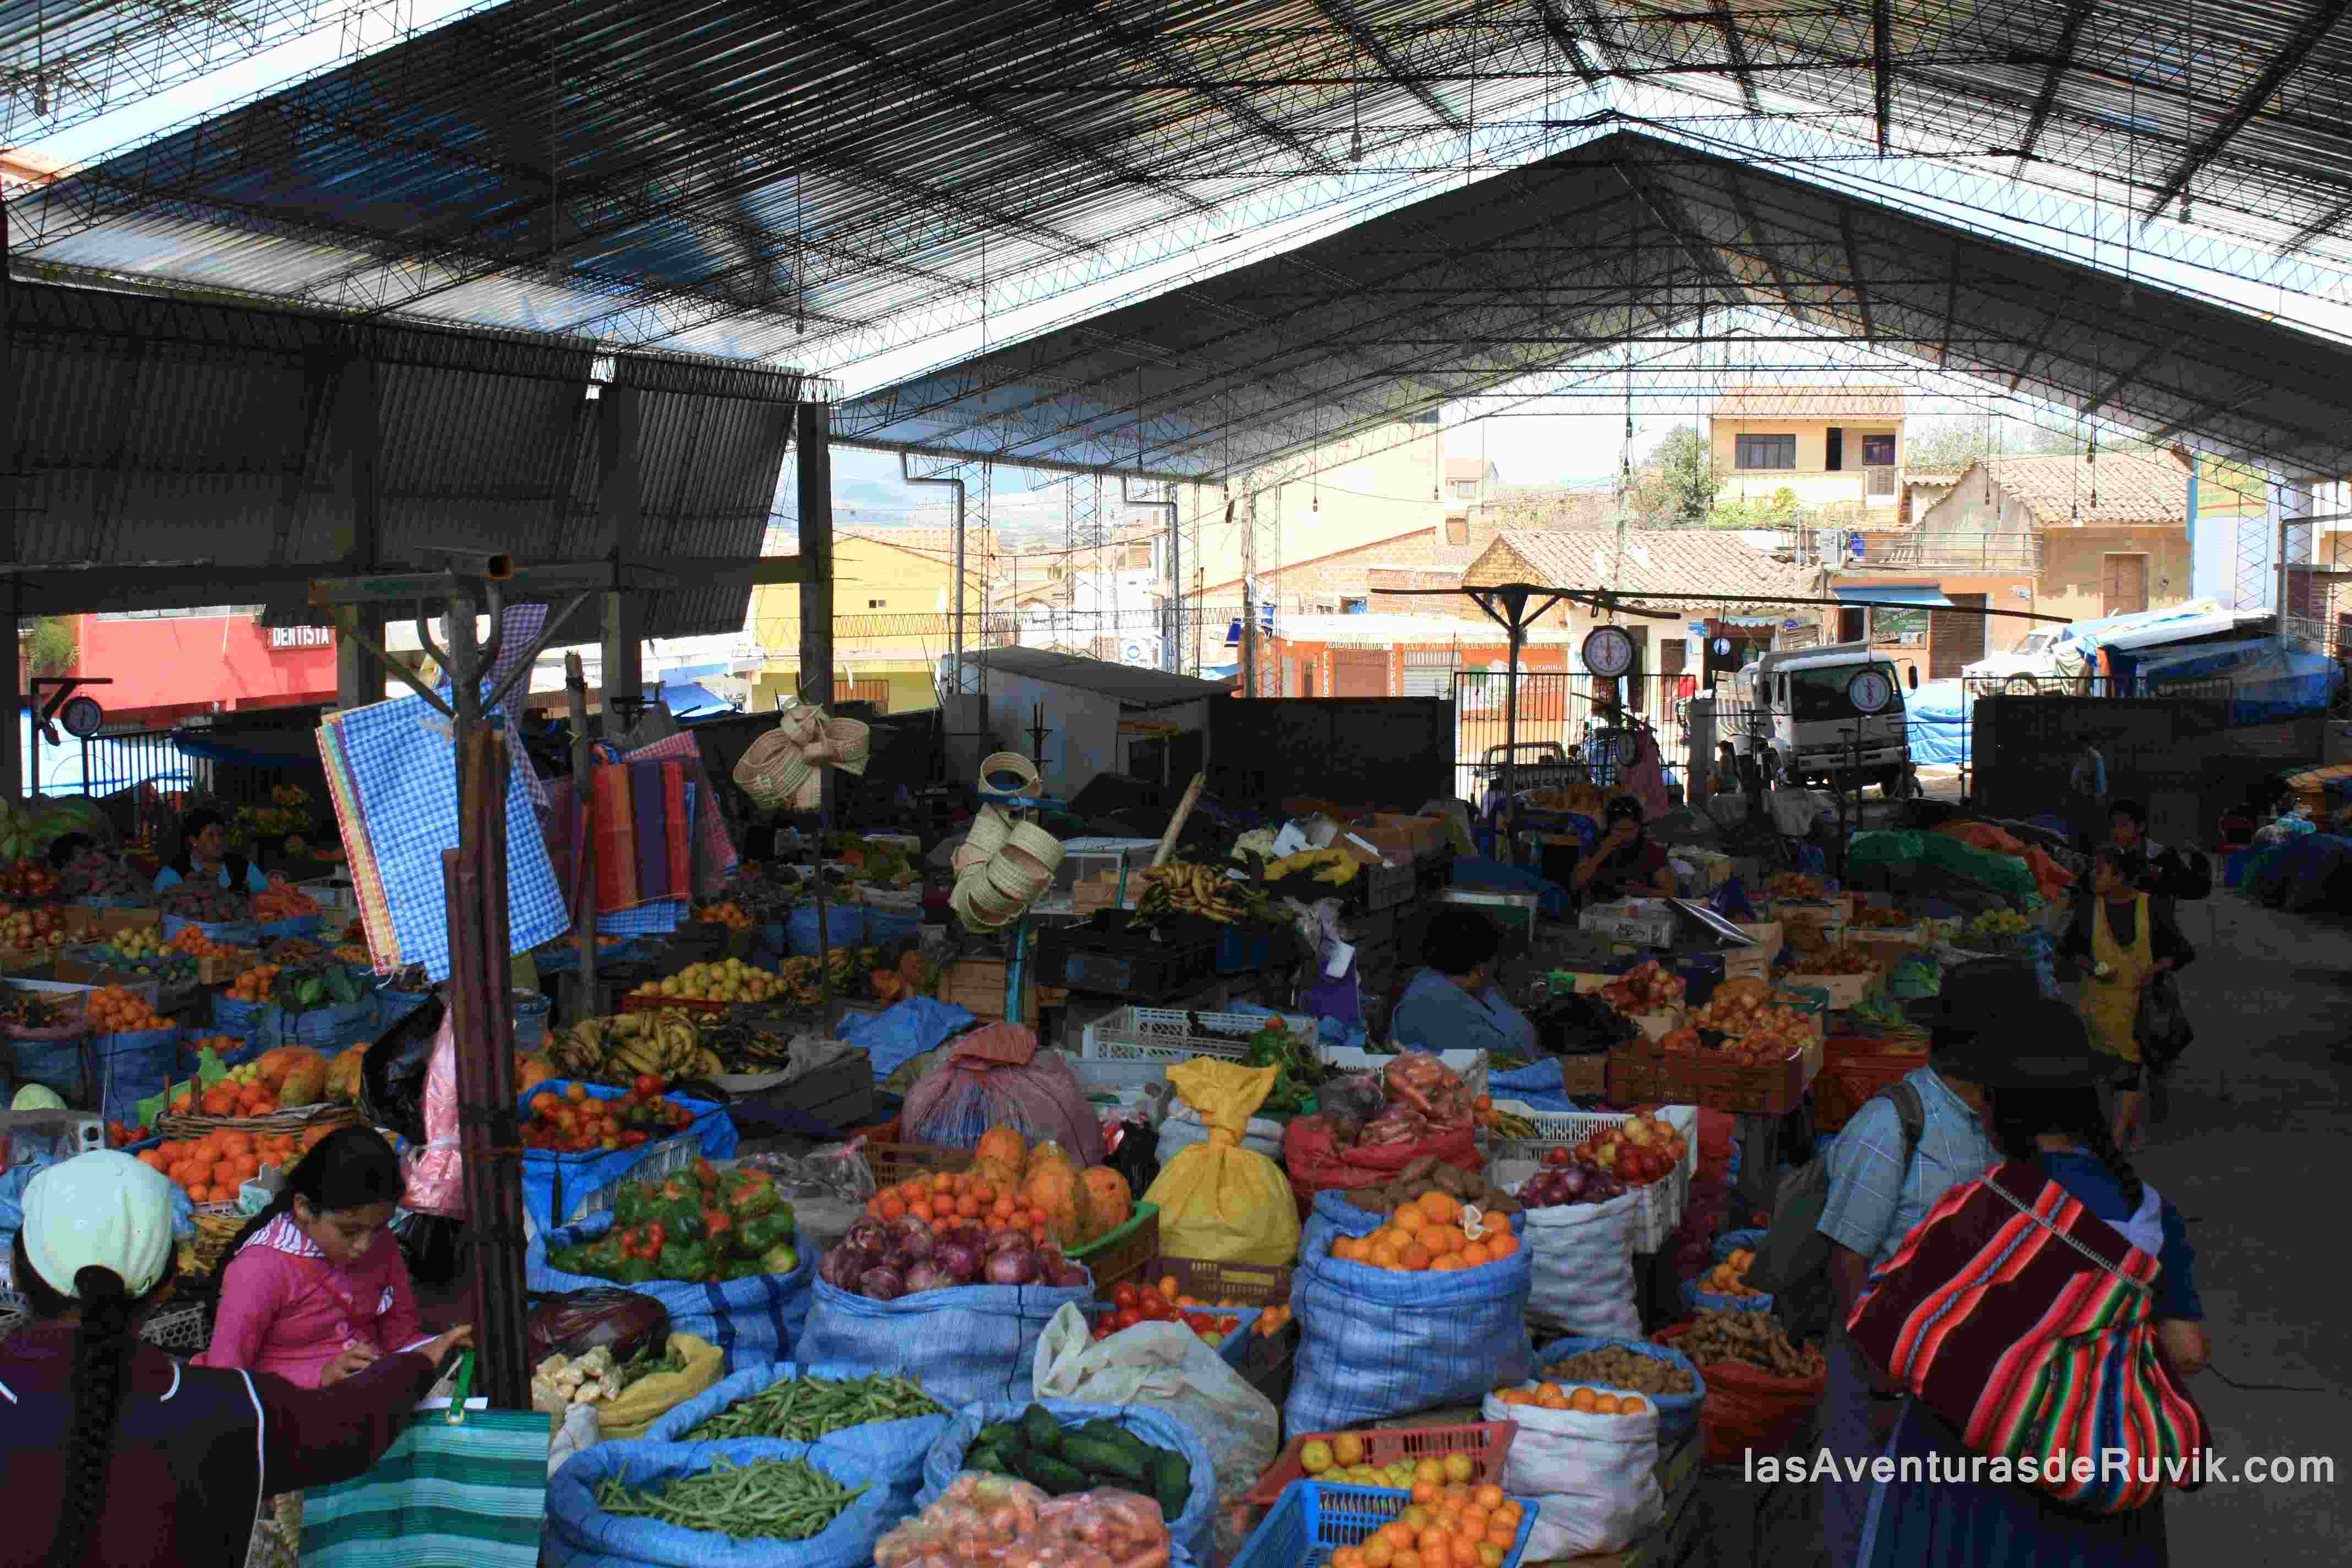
<point>583,790</point>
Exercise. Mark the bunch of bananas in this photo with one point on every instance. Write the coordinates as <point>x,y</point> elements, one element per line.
<point>1505,1124</point>
<point>1334,867</point>
<point>1179,888</point>
<point>615,1050</point>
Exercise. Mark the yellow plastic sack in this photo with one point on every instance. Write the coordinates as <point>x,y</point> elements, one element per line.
<point>1218,1201</point>
<point>649,1399</point>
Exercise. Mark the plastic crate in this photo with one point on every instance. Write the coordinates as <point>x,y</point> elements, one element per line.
<point>1854,1069</point>
<point>1165,1034</point>
<point>1640,1072</point>
<point>1513,1160</point>
<point>1218,1284</point>
<point>1486,1442</point>
<point>1313,1520</point>
<point>1125,1254</point>
<point>895,1162</point>
<point>1076,958</point>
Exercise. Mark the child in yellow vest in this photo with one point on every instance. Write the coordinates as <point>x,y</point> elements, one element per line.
<point>2125,939</point>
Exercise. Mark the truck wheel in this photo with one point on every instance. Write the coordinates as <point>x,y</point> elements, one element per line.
<point>1898,782</point>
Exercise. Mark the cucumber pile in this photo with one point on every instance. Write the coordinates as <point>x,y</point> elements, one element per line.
<point>1058,1460</point>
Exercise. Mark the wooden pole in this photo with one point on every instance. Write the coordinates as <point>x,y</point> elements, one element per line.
<point>1176,823</point>
<point>583,784</point>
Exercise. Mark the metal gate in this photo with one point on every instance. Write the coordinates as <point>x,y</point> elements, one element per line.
<point>1565,722</point>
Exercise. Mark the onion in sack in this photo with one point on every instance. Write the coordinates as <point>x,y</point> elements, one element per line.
<point>960,1260</point>
<point>999,1240</point>
<point>871,1234</point>
<point>881,1284</point>
<point>1013,1267</point>
<point>911,1239</point>
<point>578,1322</point>
<point>928,1275</point>
<point>1053,1269</point>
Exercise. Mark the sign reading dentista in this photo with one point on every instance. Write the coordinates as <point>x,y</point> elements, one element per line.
<point>301,636</point>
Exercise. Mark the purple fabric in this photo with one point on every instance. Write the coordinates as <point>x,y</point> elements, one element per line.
<point>653,832</point>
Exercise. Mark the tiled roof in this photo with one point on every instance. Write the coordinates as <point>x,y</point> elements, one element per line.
<point>1464,469</point>
<point>2130,487</point>
<point>1947,480</point>
<point>1657,561</point>
<point>1810,403</point>
<point>938,541</point>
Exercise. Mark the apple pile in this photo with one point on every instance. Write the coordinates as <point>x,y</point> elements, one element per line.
<point>1633,1153</point>
<point>27,880</point>
<point>1645,988</point>
<point>34,927</point>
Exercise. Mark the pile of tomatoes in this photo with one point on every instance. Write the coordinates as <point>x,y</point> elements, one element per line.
<point>1132,1304</point>
<point>570,1121</point>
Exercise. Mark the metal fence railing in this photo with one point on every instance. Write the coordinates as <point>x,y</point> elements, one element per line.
<point>1565,731</point>
<point>2000,553</point>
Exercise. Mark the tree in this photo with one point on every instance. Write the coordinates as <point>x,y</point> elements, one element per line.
<point>1677,484</point>
<point>1782,509</point>
<point>1948,446</point>
<point>54,649</point>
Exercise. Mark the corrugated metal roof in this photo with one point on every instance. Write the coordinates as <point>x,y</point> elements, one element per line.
<point>166,429</point>
<point>1133,686</point>
<point>1810,403</point>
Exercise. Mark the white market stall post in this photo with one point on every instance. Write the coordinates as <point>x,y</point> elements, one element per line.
<point>475,880</point>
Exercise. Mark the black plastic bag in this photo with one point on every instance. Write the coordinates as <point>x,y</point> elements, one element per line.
<point>437,1248</point>
<point>1134,1154</point>
<point>392,1074</point>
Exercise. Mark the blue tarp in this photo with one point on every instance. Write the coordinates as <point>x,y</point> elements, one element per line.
<point>1894,593</point>
<point>694,699</point>
<point>2094,632</point>
<point>1939,719</point>
<point>2267,679</point>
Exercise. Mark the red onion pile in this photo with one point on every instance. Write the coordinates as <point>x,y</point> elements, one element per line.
<point>886,1260</point>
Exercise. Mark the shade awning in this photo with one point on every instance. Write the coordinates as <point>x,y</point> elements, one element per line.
<point>1896,594</point>
<point>693,699</point>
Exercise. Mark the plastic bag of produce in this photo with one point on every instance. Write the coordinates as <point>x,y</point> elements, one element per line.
<point>896,1449</point>
<point>1378,1342</point>
<point>1189,1526</point>
<point>1169,1368</point>
<point>580,1533</point>
<point>750,1320</point>
<point>996,1076</point>
<point>962,1344</point>
<point>1677,1413</point>
<point>1318,1159</point>
<point>1219,1201</point>
<point>995,1519</point>
<point>649,1398</point>
<point>1590,1479</point>
<point>1582,1261</point>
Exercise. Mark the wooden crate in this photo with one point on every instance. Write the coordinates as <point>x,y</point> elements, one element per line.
<point>977,986</point>
<point>1640,1074</point>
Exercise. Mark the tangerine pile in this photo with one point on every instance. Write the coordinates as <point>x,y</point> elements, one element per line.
<point>196,945</point>
<point>116,1011</point>
<point>1451,1524</point>
<point>1427,1234</point>
<point>254,985</point>
<point>226,1097</point>
<point>210,1169</point>
<point>1589,1401</point>
<point>944,1199</point>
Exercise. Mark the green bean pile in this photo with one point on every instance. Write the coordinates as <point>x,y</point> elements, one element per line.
<point>806,1408</point>
<point>788,1499</point>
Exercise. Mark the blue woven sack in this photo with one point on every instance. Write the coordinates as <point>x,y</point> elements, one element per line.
<point>56,1064</point>
<point>753,1320</point>
<point>1677,1413</point>
<point>895,1451</point>
<point>963,1343</point>
<point>846,925</point>
<point>1729,1242</point>
<point>1190,1529</point>
<point>296,925</point>
<point>555,1186</point>
<point>581,1534</point>
<point>1375,1341</point>
<point>129,1067</point>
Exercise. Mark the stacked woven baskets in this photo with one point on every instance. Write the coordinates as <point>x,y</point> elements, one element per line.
<point>1003,865</point>
<point>778,770</point>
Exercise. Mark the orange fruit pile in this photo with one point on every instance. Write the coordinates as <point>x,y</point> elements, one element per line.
<point>226,1097</point>
<point>254,985</point>
<point>1450,1524</point>
<point>730,914</point>
<point>196,945</point>
<point>1427,1234</point>
<point>210,1169</point>
<point>944,1199</point>
<point>281,901</point>
<point>1591,1401</point>
<point>118,1012</point>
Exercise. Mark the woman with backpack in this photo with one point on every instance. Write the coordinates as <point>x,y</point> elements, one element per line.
<point>2045,1116</point>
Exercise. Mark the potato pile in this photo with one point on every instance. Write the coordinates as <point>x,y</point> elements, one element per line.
<point>1752,1338</point>
<point>1430,1174</point>
<point>1617,1367</point>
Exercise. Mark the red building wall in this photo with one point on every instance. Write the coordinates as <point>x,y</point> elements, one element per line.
<point>173,667</point>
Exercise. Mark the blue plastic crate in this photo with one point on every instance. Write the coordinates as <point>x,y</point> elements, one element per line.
<point>1315,1518</point>
<point>1244,952</point>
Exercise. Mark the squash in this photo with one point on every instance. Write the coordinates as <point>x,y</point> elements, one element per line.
<point>1004,1146</point>
<point>1111,1203</point>
<point>344,1076</point>
<point>1052,1187</point>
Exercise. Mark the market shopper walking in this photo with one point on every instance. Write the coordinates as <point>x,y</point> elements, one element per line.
<point>2127,938</point>
<point>1880,1184</point>
<point>116,1455</point>
<point>2045,1109</point>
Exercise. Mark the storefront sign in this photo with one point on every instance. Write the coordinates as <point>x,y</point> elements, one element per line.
<point>301,636</point>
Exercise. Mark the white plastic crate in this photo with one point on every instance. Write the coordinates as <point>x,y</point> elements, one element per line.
<point>1165,1034</point>
<point>1470,1065</point>
<point>1513,1160</point>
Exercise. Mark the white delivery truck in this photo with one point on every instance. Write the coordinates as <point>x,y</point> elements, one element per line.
<point>1797,717</point>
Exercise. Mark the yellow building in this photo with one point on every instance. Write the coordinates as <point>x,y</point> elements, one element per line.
<point>893,617</point>
<point>1828,446</point>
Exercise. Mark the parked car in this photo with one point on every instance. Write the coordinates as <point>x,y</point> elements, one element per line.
<point>2027,667</point>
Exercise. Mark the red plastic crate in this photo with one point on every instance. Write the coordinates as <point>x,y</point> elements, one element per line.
<point>1485,1442</point>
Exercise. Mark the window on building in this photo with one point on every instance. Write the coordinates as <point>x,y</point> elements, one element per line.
<point>1355,606</point>
<point>1764,452</point>
<point>873,603</point>
<point>1457,530</point>
<point>1877,451</point>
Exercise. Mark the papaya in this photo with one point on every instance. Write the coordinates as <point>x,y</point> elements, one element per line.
<point>344,1076</point>
<point>305,1082</point>
<point>1052,1187</point>
<point>1003,1145</point>
<point>1109,1201</point>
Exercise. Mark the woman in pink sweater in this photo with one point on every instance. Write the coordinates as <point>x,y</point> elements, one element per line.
<point>315,1288</point>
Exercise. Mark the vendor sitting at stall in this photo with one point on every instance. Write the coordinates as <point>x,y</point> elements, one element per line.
<point>205,851</point>
<point>1454,1005</point>
<point>1625,864</point>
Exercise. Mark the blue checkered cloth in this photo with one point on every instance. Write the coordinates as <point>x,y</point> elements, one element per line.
<point>1875,1198</point>
<point>402,770</point>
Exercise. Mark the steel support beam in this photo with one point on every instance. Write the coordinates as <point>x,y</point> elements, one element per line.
<point>621,501</point>
<point>1854,271</point>
<point>813,448</point>
<point>1882,66</point>
<point>2292,57</point>
<point>1742,68</point>
<point>1343,16</point>
<point>2062,55</point>
<point>357,443</point>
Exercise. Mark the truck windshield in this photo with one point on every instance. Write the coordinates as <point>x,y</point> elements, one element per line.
<point>1818,695</point>
<point>2032,642</point>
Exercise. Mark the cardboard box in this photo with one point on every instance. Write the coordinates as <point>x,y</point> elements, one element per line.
<point>1586,1074</point>
<point>113,922</point>
<point>1836,911</point>
<point>1417,837</point>
<point>1644,922</point>
<point>1746,963</point>
<point>148,991</point>
<point>1768,934</point>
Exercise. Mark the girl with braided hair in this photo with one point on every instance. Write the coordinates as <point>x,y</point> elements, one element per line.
<point>118,1455</point>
